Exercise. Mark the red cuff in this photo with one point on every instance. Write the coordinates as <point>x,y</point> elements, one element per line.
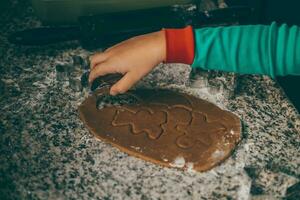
<point>180,45</point>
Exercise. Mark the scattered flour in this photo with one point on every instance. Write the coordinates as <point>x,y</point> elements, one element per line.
<point>190,167</point>
<point>179,162</point>
<point>136,148</point>
<point>231,132</point>
<point>217,154</point>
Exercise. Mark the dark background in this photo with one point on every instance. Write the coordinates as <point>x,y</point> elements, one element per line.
<point>3,5</point>
<point>281,11</point>
<point>287,11</point>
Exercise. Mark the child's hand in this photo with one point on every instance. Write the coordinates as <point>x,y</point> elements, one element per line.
<point>134,58</point>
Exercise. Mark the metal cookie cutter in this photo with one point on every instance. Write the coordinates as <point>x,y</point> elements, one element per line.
<point>100,90</point>
<point>105,81</point>
<point>100,82</point>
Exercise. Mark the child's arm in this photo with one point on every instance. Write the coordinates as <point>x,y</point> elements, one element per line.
<point>257,49</point>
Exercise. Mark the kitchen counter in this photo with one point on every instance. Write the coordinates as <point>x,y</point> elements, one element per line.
<point>47,153</point>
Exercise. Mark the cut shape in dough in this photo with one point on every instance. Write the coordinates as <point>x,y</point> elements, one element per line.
<point>165,127</point>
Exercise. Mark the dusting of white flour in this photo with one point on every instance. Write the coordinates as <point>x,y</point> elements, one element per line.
<point>179,162</point>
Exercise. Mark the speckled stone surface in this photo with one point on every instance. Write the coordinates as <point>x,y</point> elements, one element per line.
<point>47,153</point>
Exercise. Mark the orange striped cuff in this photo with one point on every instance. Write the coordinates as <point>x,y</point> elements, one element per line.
<point>180,45</point>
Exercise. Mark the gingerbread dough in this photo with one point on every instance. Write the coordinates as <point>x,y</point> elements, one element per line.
<point>164,127</point>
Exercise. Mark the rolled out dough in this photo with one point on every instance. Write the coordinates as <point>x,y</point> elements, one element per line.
<point>165,127</point>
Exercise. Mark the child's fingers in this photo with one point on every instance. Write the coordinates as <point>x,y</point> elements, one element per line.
<point>97,58</point>
<point>101,70</point>
<point>124,84</point>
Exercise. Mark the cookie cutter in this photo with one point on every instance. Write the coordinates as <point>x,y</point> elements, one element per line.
<point>100,88</point>
<point>103,99</point>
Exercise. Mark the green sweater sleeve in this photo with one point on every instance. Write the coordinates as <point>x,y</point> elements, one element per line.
<point>252,49</point>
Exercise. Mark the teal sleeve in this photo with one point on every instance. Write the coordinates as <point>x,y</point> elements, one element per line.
<point>252,49</point>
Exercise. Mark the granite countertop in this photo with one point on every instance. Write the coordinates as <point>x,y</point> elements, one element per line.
<point>47,153</point>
